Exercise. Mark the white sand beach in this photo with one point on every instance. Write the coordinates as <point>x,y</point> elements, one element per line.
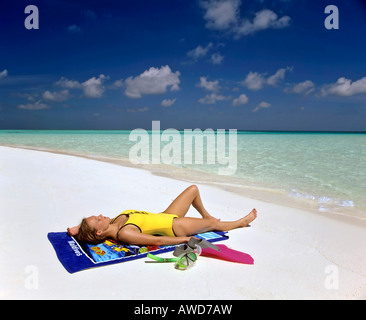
<point>298,254</point>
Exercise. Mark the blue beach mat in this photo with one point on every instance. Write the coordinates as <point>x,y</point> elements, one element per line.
<point>75,256</point>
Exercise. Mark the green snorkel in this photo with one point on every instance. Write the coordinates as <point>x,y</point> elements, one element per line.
<point>184,262</point>
<point>186,254</point>
<point>159,259</point>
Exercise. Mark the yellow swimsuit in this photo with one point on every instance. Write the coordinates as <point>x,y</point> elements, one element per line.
<point>150,223</point>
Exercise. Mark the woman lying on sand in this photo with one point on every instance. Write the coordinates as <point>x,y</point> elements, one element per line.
<point>167,228</point>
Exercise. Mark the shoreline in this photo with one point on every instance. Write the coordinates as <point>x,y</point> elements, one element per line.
<point>47,192</point>
<point>278,197</point>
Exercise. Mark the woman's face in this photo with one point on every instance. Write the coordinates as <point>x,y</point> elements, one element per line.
<point>99,223</point>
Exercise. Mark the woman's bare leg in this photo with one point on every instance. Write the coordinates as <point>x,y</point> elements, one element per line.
<point>188,197</point>
<point>190,226</point>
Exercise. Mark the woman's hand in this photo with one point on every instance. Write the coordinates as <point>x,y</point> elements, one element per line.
<point>73,231</point>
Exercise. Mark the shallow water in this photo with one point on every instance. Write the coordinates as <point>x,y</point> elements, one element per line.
<point>325,170</point>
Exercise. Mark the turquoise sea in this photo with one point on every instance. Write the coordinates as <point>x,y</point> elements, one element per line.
<point>322,171</point>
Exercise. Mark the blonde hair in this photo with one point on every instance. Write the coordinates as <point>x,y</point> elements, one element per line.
<point>88,234</point>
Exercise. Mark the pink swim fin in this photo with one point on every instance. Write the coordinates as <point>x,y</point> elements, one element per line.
<point>227,254</point>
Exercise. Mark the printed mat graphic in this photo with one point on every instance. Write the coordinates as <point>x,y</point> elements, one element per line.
<point>77,257</point>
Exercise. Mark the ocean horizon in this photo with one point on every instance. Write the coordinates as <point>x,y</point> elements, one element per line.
<point>325,170</point>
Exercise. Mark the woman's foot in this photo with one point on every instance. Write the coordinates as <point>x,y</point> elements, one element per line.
<point>248,218</point>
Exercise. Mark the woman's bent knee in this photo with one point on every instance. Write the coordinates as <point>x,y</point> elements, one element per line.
<point>193,188</point>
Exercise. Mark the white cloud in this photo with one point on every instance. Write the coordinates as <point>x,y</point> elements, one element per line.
<point>224,15</point>
<point>305,87</point>
<point>74,29</point>
<point>242,99</point>
<point>212,98</point>
<point>143,109</point>
<point>38,105</point>
<point>278,76</point>
<point>65,83</point>
<point>199,51</point>
<point>217,58</point>
<point>29,96</point>
<point>3,73</point>
<point>221,14</point>
<point>56,96</point>
<point>89,14</point>
<point>344,87</point>
<point>118,84</point>
<point>256,80</point>
<point>168,102</point>
<point>265,19</point>
<point>152,81</point>
<point>262,105</point>
<point>208,85</point>
<point>93,88</point>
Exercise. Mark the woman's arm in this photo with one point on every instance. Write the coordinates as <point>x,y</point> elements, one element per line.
<point>73,231</point>
<point>138,238</point>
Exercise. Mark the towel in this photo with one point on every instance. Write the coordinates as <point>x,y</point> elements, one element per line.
<point>75,256</point>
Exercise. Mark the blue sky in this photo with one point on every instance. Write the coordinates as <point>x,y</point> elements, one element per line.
<point>249,65</point>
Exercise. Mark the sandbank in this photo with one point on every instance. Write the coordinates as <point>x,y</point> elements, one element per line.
<point>298,254</point>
